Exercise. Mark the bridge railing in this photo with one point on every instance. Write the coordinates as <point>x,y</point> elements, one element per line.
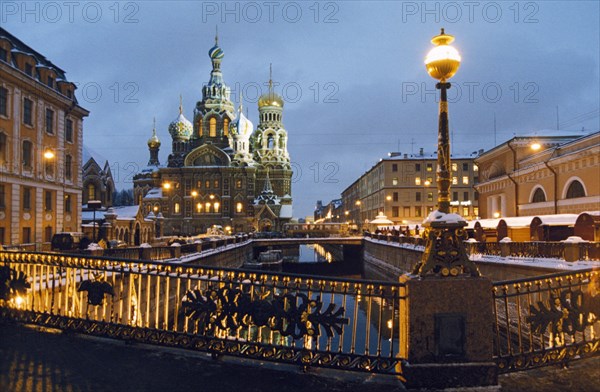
<point>546,320</point>
<point>336,323</point>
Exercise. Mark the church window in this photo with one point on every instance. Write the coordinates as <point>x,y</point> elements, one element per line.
<point>238,207</point>
<point>199,207</point>
<point>200,133</point>
<point>270,142</point>
<point>177,208</point>
<point>216,183</point>
<point>212,127</point>
<point>91,192</point>
<point>226,127</point>
<point>238,184</point>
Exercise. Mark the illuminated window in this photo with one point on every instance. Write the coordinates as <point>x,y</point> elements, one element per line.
<point>418,211</point>
<point>200,131</point>
<point>465,211</point>
<point>429,196</point>
<point>177,208</point>
<point>199,207</point>
<point>429,209</point>
<point>238,184</point>
<point>465,180</point>
<point>212,127</point>
<point>454,167</point>
<point>475,168</point>
<point>395,181</point>
<point>217,205</point>
<point>417,180</point>
<point>454,180</point>
<point>207,205</point>
<point>429,181</point>
<point>216,183</point>
<point>238,207</point>
<point>475,211</point>
<point>91,192</point>
<point>226,127</point>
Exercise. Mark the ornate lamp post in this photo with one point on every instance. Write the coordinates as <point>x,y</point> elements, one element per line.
<point>444,254</point>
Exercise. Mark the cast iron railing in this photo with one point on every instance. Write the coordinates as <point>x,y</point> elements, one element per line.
<point>336,323</point>
<point>546,320</point>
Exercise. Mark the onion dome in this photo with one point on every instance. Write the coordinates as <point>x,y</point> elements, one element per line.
<point>242,126</point>
<point>270,98</point>
<point>216,53</point>
<point>181,128</point>
<point>154,142</point>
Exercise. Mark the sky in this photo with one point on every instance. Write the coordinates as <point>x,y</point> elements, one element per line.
<point>352,74</point>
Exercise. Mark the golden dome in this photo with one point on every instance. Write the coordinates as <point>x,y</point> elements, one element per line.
<point>154,142</point>
<point>270,99</point>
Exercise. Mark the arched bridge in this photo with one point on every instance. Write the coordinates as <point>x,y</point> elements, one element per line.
<point>307,241</point>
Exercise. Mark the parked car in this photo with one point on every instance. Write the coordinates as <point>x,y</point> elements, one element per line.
<point>69,241</point>
<point>117,244</point>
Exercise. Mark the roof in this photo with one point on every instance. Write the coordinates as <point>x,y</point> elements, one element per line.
<point>154,193</point>
<point>88,153</point>
<point>286,211</point>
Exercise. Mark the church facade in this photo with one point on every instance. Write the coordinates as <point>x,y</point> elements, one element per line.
<point>221,170</point>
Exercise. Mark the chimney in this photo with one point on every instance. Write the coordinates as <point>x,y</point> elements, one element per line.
<point>421,153</point>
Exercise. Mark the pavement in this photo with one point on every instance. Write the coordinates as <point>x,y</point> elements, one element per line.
<point>34,359</point>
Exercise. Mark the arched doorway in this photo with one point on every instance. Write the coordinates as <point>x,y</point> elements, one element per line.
<point>136,235</point>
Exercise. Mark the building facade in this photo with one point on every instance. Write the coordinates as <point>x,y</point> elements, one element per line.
<point>541,175</point>
<point>41,132</point>
<point>221,171</point>
<point>403,187</point>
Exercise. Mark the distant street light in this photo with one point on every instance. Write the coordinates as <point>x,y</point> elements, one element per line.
<point>94,205</point>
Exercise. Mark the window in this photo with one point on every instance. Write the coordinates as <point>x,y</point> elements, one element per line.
<point>2,196</point>
<point>430,167</point>
<point>26,198</point>
<point>27,154</point>
<point>48,200</point>
<point>26,235</point>
<point>207,184</point>
<point>207,205</point>
<point>575,190</point>
<point>475,168</point>
<point>28,111</point>
<point>2,148</point>
<point>465,180</point>
<point>48,233</point>
<point>475,211</point>
<point>406,211</point>
<point>418,196</point>
<point>177,208</point>
<point>3,101</point>
<point>465,166</point>
<point>69,130</point>
<point>238,207</point>
<point>429,181</point>
<point>212,127</point>
<point>68,167</point>
<point>454,196</point>
<point>395,196</point>
<point>217,205</point>
<point>417,180</point>
<point>429,196</point>
<point>395,181</point>
<point>49,167</point>
<point>538,196</point>
<point>395,212</point>
<point>28,69</point>
<point>475,195</point>
<point>238,184</point>
<point>465,211</point>
<point>3,54</point>
<point>91,192</point>
<point>454,180</point>
<point>50,81</point>
<point>418,211</point>
<point>429,209</point>
<point>216,184</point>
<point>417,167</point>
<point>50,121</point>
<point>226,127</point>
<point>465,196</point>
<point>198,207</point>
<point>454,167</point>
<point>454,210</point>
<point>395,167</point>
<point>67,203</point>
<point>200,132</point>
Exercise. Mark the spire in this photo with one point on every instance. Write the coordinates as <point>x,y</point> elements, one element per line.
<point>154,127</point>
<point>180,104</point>
<point>267,189</point>
<point>216,35</point>
<point>270,77</point>
<point>241,103</point>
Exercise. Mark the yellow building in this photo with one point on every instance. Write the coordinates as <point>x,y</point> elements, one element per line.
<point>404,188</point>
<point>540,175</point>
<point>41,127</point>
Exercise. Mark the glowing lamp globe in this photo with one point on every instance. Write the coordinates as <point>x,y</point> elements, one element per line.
<point>443,61</point>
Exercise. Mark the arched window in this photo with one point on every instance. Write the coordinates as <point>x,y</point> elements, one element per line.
<point>575,190</point>
<point>212,127</point>
<point>200,132</point>
<point>226,127</point>
<point>91,192</point>
<point>270,142</point>
<point>538,196</point>
<point>177,208</point>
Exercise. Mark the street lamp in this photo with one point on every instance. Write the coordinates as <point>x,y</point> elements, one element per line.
<point>50,155</point>
<point>445,253</point>
<point>94,205</point>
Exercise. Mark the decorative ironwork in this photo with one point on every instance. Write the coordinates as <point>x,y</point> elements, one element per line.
<point>12,283</point>
<point>445,253</point>
<point>546,321</point>
<point>96,290</point>
<point>568,312</point>
<point>294,315</point>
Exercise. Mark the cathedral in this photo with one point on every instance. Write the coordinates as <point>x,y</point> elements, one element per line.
<point>221,170</point>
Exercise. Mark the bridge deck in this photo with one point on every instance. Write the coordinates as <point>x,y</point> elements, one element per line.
<point>306,241</point>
